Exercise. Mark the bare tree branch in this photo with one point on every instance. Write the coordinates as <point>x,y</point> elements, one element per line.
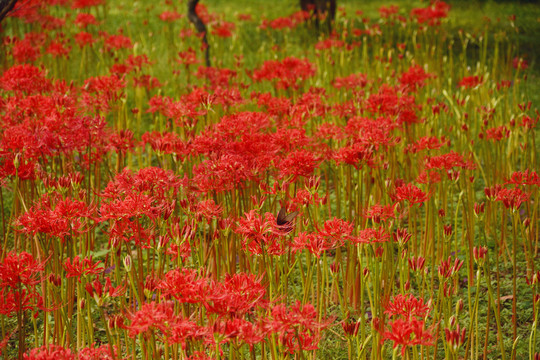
<point>5,7</point>
<point>322,9</point>
<point>199,25</point>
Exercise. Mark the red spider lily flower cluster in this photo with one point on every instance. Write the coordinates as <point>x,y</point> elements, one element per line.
<point>431,14</point>
<point>286,73</point>
<point>407,325</point>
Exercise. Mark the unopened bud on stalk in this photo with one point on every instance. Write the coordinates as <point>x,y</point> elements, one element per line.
<point>479,254</point>
<point>447,230</point>
<point>127,263</point>
<point>479,209</point>
<point>55,279</point>
<point>314,182</point>
<point>82,303</point>
<point>334,267</point>
<point>459,306</point>
<point>366,272</point>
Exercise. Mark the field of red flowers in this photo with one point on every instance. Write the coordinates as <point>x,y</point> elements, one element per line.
<point>366,194</point>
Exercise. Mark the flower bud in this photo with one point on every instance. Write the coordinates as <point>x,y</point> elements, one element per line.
<point>127,263</point>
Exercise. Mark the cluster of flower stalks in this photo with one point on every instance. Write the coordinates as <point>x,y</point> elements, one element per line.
<point>368,194</point>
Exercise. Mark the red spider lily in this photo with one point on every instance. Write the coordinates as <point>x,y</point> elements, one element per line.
<point>244,17</point>
<point>315,243</point>
<point>58,48</point>
<point>407,307</point>
<point>217,77</point>
<point>126,230</point>
<point>160,316</point>
<point>83,20</point>
<point>469,82</point>
<point>188,57</point>
<point>410,193</point>
<point>198,355</point>
<point>528,122</point>
<point>351,328</point>
<point>520,63</point>
<point>185,285</point>
<point>297,327</point>
<point>20,269</point>
<point>288,22</point>
<point>241,330</point>
<point>337,229</point>
<point>304,197</point>
<point>286,72</point>
<point>350,82</point>
<point>449,161</point>
<point>224,29</point>
<point>100,93</point>
<point>426,143</point>
<point>181,330</point>
<point>512,198</point>
<point>416,263</point>
<point>151,316</point>
<point>327,131</point>
<point>298,163</point>
<point>369,236</point>
<point>50,352</point>
<point>524,178</point>
<point>69,217</point>
<point>116,42</point>
<point>260,234</point>
<point>78,268</point>
<point>122,141</point>
<point>25,78</point>
<point>170,16</point>
<point>479,254</point>
<point>491,192</point>
<point>329,44</point>
<point>390,102</point>
<point>401,236</point>
<point>447,269</point>
<point>408,333</point>
<point>375,132</point>
<point>14,301</point>
<point>274,106</point>
<point>414,78</point>
<point>208,210</point>
<point>497,133</point>
<point>84,38</point>
<point>166,143</point>
<point>151,183</point>
<point>82,4</point>
<point>221,173</point>
<point>102,352</point>
<point>379,213</point>
<point>356,155</point>
<point>455,338</point>
<point>386,12</point>
<point>432,14</point>
<point>236,296</point>
<point>29,48</point>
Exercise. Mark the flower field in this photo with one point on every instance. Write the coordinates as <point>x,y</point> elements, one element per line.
<point>366,193</point>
